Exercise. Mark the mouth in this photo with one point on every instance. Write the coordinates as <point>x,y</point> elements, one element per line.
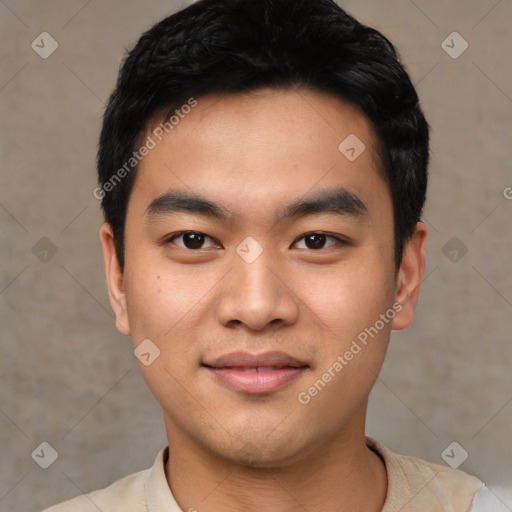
<point>256,374</point>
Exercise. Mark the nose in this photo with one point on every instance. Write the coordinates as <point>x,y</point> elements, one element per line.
<point>257,295</point>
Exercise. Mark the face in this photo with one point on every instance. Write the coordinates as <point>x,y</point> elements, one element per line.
<point>259,263</point>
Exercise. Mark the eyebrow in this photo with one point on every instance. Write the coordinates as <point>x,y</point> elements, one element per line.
<point>337,201</point>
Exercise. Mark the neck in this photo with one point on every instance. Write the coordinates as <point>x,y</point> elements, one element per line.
<point>340,474</point>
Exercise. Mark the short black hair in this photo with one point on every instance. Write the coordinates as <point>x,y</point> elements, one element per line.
<point>233,46</point>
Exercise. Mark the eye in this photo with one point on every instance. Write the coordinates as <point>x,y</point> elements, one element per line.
<point>317,241</point>
<point>192,240</point>
<point>195,240</point>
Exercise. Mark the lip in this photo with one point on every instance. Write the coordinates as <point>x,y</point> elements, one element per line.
<point>274,358</point>
<point>256,373</point>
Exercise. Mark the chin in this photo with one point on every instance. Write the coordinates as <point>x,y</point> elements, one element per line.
<point>259,453</point>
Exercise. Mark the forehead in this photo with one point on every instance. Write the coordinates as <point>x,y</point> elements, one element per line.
<point>261,148</point>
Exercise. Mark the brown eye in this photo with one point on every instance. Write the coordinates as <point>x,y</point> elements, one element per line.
<point>316,241</point>
<point>192,240</point>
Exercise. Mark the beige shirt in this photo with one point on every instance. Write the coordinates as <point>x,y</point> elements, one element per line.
<point>413,485</point>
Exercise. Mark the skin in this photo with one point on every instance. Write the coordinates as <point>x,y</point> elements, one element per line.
<point>254,153</point>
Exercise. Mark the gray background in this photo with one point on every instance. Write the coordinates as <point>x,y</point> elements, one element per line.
<point>70,380</point>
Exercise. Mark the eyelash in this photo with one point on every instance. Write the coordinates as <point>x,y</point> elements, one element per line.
<point>339,241</point>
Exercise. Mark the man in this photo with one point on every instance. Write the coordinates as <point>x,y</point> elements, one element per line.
<point>262,170</point>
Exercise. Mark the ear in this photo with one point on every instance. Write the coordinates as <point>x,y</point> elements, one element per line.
<point>409,277</point>
<point>114,274</point>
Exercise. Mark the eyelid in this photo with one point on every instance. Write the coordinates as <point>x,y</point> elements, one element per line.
<point>340,241</point>
<point>170,239</point>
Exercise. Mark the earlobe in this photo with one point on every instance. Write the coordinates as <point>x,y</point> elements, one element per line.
<point>114,276</point>
<point>409,277</point>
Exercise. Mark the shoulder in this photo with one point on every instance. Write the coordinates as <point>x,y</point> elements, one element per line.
<point>417,484</point>
<point>127,494</point>
<point>486,501</point>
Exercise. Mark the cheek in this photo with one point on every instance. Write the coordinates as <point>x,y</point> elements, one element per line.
<point>348,299</point>
<point>170,305</point>
<point>350,304</point>
<point>160,306</point>
<point>157,299</point>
